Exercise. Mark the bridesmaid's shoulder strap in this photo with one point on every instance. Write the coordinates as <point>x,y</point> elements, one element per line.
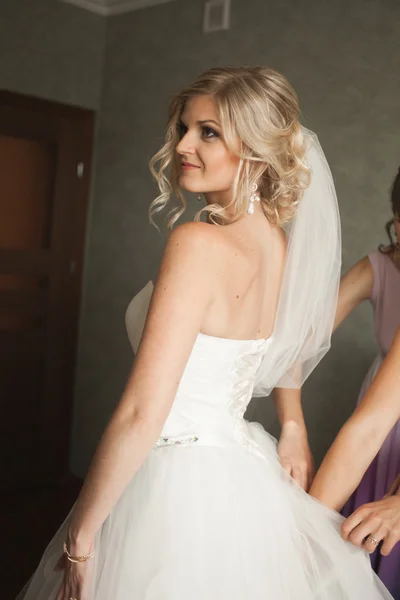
<point>378,264</point>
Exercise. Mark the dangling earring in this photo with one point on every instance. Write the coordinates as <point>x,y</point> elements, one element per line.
<point>254,197</point>
<point>199,197</point>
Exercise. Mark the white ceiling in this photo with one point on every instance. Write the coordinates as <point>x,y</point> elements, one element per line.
<point>113,7</point>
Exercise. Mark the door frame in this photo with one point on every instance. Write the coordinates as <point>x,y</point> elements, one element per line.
<point>78,151</point>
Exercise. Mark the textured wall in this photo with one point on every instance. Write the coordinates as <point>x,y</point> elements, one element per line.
<point>51,50</point>
<point>343,59</point>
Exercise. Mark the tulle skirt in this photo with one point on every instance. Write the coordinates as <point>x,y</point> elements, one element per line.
<point>208,522</point>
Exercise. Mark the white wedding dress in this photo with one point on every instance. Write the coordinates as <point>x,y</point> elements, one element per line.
<point>211,515</point>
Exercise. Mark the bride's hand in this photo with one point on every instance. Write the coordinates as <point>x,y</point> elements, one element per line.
<point>295,455</point>
<point>75,580</point>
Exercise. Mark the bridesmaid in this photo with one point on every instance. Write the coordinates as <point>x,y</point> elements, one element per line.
<point>376,525</point>
<point>376,278</point>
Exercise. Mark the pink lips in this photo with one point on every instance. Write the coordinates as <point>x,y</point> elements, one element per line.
<point>187,165</point>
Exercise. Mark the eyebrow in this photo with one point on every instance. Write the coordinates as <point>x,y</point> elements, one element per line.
<point>209,121</point>
<point>203,122</point>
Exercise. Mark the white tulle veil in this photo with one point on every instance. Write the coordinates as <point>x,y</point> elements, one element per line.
<point>308,298</point>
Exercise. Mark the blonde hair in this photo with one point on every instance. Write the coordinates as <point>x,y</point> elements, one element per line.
<point>258,107</point>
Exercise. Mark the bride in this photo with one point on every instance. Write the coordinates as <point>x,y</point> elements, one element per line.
<point>184,498</point>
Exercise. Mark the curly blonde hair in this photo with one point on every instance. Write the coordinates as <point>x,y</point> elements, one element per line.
<point>258,107</point>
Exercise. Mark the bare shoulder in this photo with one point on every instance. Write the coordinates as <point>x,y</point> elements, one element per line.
<point>195,241</point>
<point>190,255</point>
<point>364,265</point>
<point>193,235</point>
<point>361,271</point>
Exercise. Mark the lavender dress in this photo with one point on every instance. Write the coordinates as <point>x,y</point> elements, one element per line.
<point>385,300</point>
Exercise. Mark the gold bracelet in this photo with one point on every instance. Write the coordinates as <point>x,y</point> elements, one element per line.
<point>77,559</point>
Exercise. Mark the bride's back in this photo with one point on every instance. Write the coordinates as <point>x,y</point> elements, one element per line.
<point>251,258</point>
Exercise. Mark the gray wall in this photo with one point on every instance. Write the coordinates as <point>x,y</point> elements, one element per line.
<point>51,50</point>
<point>343,59</point>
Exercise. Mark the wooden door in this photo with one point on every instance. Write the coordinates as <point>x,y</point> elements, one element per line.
<point>45,153</point>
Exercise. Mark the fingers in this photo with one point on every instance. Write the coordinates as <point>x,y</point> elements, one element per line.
<point>373,540</point>
<point>70,591</point>
<point>300,476</point>
<point>287,469</point>
<point>286,465</point>
<point>377,520</point>
<point>352,522</point>
<point>297,475</point>
<point>360,533</point>
<point>296,472</point>
<point>61,592</point>
<point>75,581</point>
<point>364,528</point>
<point>368,526</point>
<point>389,543</point>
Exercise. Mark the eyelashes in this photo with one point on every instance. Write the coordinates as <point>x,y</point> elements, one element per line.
<point>207,132</point>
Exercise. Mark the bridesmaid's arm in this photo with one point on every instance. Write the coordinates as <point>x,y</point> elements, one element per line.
<point>293,448</point>
<point>294,451</point>
<point>182,294</point>
<point>355,287</point>
<point>362,436</point>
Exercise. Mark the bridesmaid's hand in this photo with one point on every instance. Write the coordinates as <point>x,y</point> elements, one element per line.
<point>374,523</point>
<point>295,454</point>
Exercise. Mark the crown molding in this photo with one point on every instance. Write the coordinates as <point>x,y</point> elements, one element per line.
<point>107,8</point>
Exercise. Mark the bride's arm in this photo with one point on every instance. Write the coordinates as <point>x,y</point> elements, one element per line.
<point>293,448</point>
<point>362,436</point>
<point>182,293</point>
